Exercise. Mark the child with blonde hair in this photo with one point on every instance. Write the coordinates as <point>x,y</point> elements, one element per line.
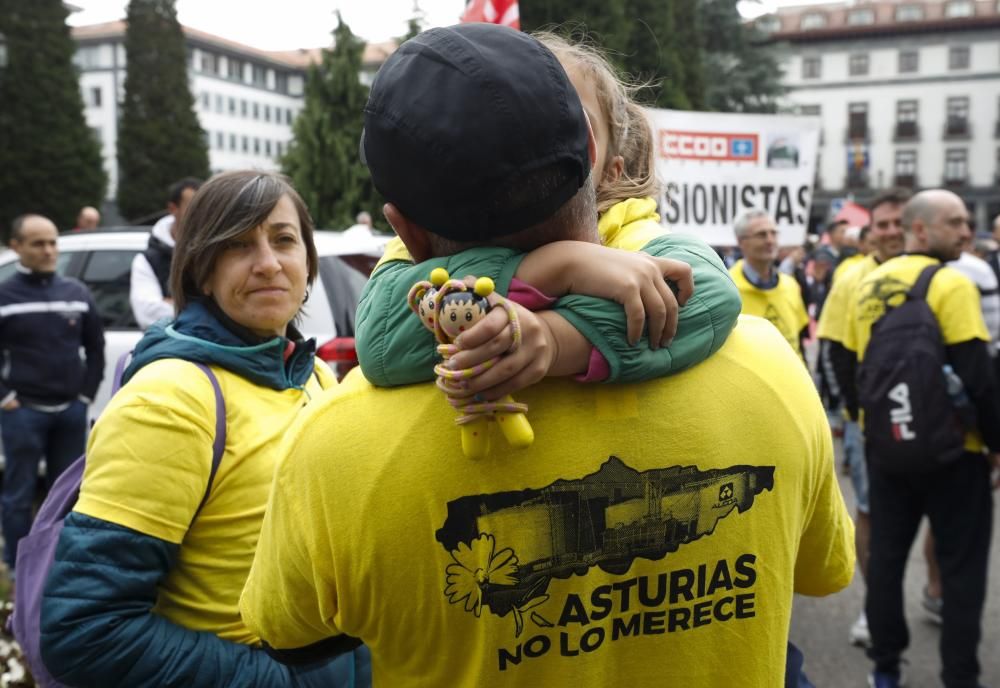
<point>574,279</point>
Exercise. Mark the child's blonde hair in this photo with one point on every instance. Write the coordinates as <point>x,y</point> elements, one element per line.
<point>629,133</point>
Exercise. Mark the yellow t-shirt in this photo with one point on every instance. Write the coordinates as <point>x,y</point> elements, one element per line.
<point>782,305</point>
<point>148,462</point>
<point>632,544</point>
<point>847,264</point>
<point>833,318</point>
<point>952,297</point>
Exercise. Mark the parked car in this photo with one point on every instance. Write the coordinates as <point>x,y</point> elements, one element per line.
<point>102,260</point>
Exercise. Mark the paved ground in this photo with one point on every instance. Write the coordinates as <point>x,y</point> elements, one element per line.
<point>820,628</point>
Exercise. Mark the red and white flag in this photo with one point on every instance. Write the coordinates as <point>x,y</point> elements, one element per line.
<point>503,12</point>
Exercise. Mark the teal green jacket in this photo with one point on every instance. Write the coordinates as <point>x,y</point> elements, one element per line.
<point>394,348</point>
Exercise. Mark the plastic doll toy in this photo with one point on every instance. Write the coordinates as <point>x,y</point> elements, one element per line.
<point>449,307</point>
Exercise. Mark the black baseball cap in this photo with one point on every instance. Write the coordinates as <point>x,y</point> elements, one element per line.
<point>458,115</point>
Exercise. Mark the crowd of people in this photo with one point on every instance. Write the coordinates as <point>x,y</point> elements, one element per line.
<point>245,520</point>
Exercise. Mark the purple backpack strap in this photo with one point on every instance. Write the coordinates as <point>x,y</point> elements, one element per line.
<point>219,445</point>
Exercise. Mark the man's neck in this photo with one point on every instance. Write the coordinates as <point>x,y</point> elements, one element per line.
<point>763,269</point>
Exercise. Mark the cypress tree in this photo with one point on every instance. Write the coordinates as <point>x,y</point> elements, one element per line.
<point>159,138</point>
<point>51,161</point>
<point>742,72</point>
<point>323,161</point>
<point>689,48</point>
<point>652,54</point>
<point>602,22</point>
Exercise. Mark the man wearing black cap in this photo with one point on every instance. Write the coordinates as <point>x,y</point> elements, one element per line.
<point>630,534</point>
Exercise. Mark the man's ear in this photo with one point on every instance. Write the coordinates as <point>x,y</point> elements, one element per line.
<point>414,237</point>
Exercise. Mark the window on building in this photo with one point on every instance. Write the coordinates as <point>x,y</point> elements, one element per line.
<point>906,119</point>
<point>280,148</point>
<point>267,113</point>
<point>857,121</point>
<point>255,109</point>
<point>88,57</point>
<point>209,63</point>
<point>959,8</point>
<point>289,116</point>
<point>267,147</point>
<point>958,57</point>
<point>235,69</point>
<point>857,65</point>
<point>246,144</point>
<point>259,76</point>
<point>811,68</point>
<point>906,168</point>
<point>909,13</point>
<point>218,103</point>
<point>98,135</point>
<point>220,140</point>
<point>256,146</point>
<point>812,20</point>
<point>95,96</point>
<point>205,99</point>
<point>281,82</point>
<point>768,24</point>
<point>810,110</point>
<point>861,17</point>
<point>232,106</point>
<point>206,136</point>
<point>957,123</point>
<point>956,166</point>
<point>244,108</point>
<point>232,142</point>
<point>909,61</point>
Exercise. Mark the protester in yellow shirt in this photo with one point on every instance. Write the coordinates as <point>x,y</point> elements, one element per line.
<point>766,292</point>
<point>836,363</point>
<point>956,495</point>
<point>630,534</point>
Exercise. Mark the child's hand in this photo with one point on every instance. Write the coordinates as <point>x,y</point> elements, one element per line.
<point>491,337</point>
<point>639,283</point>
<point>635,280</point>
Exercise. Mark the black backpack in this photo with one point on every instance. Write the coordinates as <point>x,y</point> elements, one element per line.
<point>911,424</point>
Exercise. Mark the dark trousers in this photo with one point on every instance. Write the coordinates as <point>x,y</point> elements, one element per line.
<point>958,501</point>
<point>29,435</point>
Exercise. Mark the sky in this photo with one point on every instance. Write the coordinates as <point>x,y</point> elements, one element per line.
<point>270,25</point>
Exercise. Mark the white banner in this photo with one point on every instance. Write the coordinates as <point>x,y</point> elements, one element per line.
<point>716,165</point>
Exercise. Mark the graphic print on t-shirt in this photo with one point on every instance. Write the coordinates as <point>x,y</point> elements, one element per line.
<point>507,547</point>
<point>879,296</point>
<point>771,315</point>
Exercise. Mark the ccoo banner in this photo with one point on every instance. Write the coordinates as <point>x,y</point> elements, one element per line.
<point>716,165</point>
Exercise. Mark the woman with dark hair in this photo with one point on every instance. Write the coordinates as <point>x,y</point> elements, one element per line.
<point>145,587</point>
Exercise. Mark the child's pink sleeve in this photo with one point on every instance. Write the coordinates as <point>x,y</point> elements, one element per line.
<point>526,295</point>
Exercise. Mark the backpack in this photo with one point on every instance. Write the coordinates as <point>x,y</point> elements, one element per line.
<point>911,424</point>
<point>37,550</point>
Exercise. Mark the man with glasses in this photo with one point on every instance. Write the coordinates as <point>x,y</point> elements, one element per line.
<point>767,292</point>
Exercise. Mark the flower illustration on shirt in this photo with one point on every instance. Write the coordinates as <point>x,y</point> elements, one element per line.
<point>476,566</point>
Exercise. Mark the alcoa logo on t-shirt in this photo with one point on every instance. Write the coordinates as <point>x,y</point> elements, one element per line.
<point>901,415</point>
<point>507,547</point>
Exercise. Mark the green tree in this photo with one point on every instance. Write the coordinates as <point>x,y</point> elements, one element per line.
<point>603,22</point>
<point>688,45</point>
<point>322,160</point>
<point>742,72</point>
<point>159,137</point>
<point>51,161</point>
<point>415,24</point>
<point>652,54</point>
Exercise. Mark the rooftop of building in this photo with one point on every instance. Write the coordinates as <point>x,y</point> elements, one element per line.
<point>375,53</point>
<point>847,20</point>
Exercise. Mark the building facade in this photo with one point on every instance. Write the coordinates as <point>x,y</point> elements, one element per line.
<point>246,99</point>
<point>908,92</point>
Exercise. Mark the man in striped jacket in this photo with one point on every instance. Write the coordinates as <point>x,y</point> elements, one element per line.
<point>45,384</point>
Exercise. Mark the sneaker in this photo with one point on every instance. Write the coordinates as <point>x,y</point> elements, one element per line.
<point>884,679</point>
<point>859,635</point>
<point>932,607</point>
